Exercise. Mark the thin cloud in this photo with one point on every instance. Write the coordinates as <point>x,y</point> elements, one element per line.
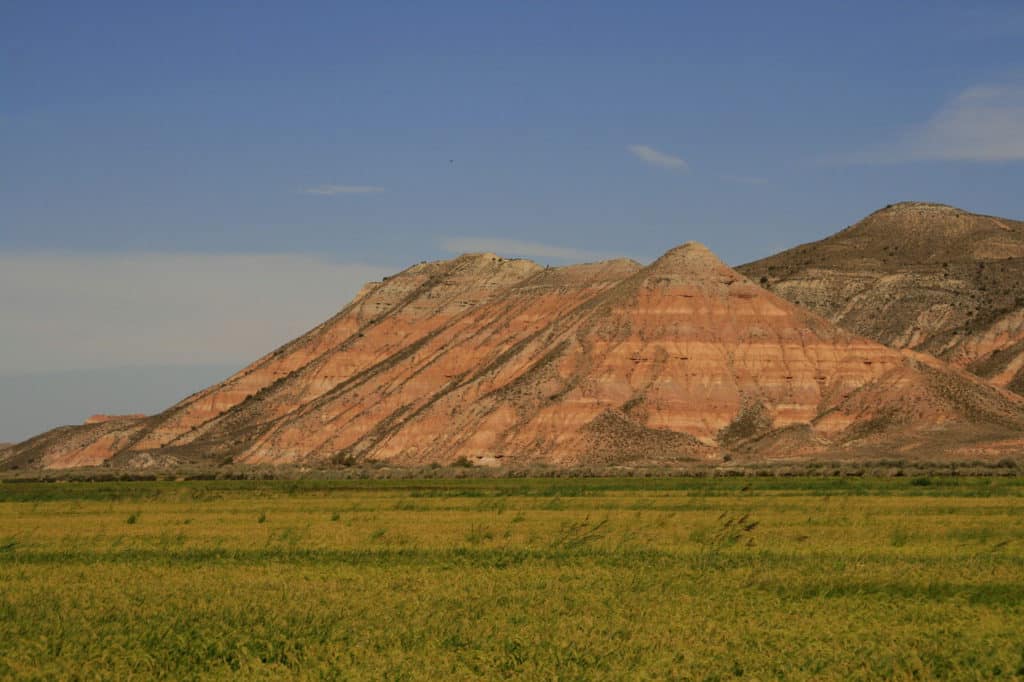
<point>512,247</point>
<point>657,158</point>
<point>330,190</point>
<point>984,124</point>
<point>76,311</point>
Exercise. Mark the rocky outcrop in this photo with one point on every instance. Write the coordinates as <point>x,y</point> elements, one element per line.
<point>927,277</point>
<point>504,362</point>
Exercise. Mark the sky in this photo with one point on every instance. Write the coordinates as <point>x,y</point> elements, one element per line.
<point>186,185</point>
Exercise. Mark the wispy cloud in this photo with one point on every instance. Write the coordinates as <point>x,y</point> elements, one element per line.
<point>657,158</point>
<point>91,310</point>
<point>513,247</point>
<point>329,190</point>
<point>983,123</point>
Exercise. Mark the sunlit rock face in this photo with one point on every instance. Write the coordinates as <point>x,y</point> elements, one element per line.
<point>505,362</point>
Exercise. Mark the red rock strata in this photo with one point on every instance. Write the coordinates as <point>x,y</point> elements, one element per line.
<point>506,362</point>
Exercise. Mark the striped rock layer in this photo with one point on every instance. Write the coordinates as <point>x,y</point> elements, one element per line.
<point>505,362</point>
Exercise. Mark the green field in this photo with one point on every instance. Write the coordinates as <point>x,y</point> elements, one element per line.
<point>685,578</point>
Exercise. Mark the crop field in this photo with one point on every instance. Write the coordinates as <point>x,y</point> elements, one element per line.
<point>671,578</point>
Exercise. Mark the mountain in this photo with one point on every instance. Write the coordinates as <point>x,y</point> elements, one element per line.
<point>927,277</point>
<point>505,362</point>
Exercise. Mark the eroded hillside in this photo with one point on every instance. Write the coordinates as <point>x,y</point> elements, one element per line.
<point>505,362</point>
<point>928,277</point>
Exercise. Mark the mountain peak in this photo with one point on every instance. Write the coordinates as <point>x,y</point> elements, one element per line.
<point>919,206</point>
<point>480,264</point>
<point>691,252</point>
<point>694,262</point>
<point>931,225</point>
<point>485,258</point>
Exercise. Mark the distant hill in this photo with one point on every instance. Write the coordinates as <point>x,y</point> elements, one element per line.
<point>506,362</point>
<point>929,277</point>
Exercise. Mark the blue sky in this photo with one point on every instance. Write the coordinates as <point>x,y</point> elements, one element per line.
<point>233,147</point>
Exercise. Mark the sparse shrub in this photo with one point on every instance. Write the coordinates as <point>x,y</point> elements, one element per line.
<point>576,534</point>
<point>133,518</point>
<point>262,518</point>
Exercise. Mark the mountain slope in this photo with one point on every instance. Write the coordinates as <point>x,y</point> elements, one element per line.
<point>507,362</point>
<point>927,277</point>
<point>382,318</point>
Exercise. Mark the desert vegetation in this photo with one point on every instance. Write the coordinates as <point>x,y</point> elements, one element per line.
<point>693,578</point>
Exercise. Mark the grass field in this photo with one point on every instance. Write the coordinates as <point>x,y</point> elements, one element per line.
<point>688,578</point>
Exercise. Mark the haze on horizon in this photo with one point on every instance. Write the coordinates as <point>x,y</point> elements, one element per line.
<point>184,188</point>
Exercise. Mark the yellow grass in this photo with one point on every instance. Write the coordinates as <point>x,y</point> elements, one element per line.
<point>554,579</point>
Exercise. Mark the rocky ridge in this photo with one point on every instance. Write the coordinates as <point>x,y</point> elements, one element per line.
<point>101,418</point>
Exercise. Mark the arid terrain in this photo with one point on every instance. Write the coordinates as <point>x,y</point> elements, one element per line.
<point>496,361</point>
<point>928,277</point>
